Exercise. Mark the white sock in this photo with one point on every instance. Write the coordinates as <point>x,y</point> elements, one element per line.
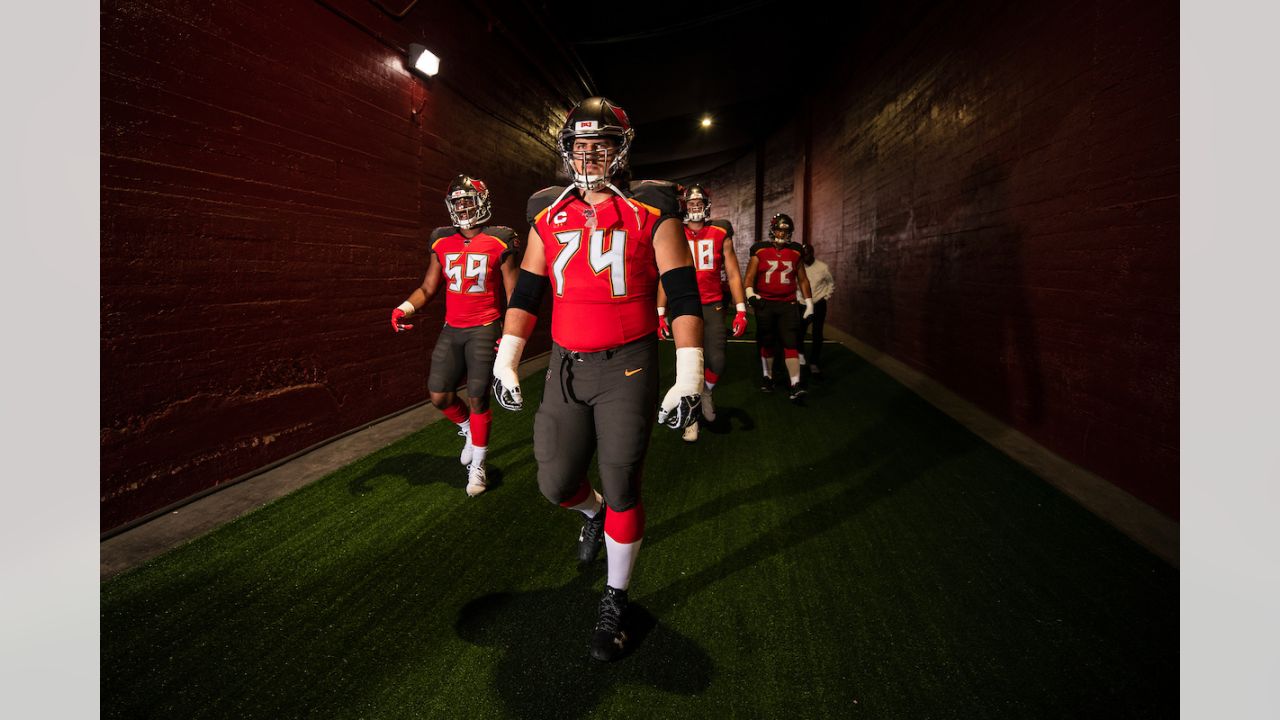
<point>465,426</point>
<point>590,506</point>
<point>622,559</point>
<point>767,365</point>
<point>795,380</point>
<point>801,356</point>
<point>710,385</point>
<point>477,454</point>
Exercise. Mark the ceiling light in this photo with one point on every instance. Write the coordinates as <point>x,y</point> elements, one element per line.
<point>706,121</point>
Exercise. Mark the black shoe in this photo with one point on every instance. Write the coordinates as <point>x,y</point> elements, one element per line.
<point>591,539</point>
<point>609,640</point>
<point>766,385</point>
<point>797,394</point>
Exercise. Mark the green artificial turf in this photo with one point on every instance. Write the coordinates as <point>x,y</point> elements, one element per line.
<point>863,556</point>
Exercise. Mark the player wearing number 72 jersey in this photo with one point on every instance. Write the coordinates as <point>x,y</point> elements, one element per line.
<point>776,271</point>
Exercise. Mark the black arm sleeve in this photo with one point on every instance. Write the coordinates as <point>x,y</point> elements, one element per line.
<point>681,286</point>
<point>528,292</point>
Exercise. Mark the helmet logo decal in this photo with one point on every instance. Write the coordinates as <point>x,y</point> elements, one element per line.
<point>585,126</point>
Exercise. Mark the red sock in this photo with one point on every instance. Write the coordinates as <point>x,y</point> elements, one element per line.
<point>457,412</point>
<point>480,428</point>
<point>625,526</point>
<point>711,377</point>
<point>766,353</point>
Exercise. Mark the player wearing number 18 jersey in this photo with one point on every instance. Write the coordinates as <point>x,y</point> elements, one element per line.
<point>711,243</point>
<point>471,259</point>
<point>776,271</point>
<point>602,246</point>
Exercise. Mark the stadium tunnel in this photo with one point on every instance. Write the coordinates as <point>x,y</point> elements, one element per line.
<point>994,186</point>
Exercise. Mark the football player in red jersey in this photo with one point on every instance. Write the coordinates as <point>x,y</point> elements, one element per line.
<point>711,242</point>
<point>606,245</point>
<point>471,259</point>
<point>775,268</point>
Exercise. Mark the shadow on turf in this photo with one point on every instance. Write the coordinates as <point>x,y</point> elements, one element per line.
<point>868,468</point>
<point>418,468</point>
<point>545,670</point>
<point>726,417</point>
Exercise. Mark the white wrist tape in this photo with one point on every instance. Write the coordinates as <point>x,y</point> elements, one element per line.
<point>662,311</point>
<point>689,377</point>
<point>509,351</point>
<point>740,307</point>
<point>407,307</point>
<point>751,293</point>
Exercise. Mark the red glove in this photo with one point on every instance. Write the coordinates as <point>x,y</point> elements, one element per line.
<point>740,323</point>
<point>397,321</point>
<point>664,329</point>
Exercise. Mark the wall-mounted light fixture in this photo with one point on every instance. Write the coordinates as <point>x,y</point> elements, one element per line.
<point>423,61</point>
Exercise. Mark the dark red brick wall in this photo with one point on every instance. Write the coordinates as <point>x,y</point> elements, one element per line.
<point>266,186</point>
<point>996,191</point>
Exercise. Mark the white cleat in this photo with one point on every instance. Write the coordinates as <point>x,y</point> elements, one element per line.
<point>708,407</point>
<point>465,457</point>
<point>476,480</point>
<point>691,433</point>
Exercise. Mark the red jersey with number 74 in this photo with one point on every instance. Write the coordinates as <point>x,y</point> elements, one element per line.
<point>707,245</point>
<point>776,270</point>
<point>600,260</point>
<point>472,274</point>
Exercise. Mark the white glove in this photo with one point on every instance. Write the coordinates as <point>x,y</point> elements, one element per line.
<point>808,308</point>
<point>682,403</point>
<point>506,382</point>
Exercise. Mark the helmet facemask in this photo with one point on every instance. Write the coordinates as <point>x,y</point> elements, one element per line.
<point>780,224</point>
<point>697,209</point>
<point>468,207</point>
<point>609,161</point>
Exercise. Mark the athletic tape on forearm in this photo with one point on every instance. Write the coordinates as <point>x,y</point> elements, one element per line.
<point>509,351</point>
<point>689,376</point>
<point>528,292</point>
<point>681,285</point>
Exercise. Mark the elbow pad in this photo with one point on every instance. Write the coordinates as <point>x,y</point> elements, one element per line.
<point>681,286</point>
<point>528,292</point>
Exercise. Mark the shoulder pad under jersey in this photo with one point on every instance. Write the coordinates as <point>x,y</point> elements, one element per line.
<point>659,194</point>
<point>540,201</point>
<point>757,247</point>
<point>723,225</point>
<point>793,245</point>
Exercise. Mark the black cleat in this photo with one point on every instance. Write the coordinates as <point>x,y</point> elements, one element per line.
<point>591,539</point>
<point>766,385</point>
<point>609,640</point>
<point>797,394</point>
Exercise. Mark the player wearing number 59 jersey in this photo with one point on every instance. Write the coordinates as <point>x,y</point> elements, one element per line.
<point>474,262</point>
<point>775,271</point>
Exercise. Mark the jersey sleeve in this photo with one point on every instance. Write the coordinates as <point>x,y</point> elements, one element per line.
<point>540,201</point>
<point>724,225</point>
<point>658,194</point>
<point>508,237</point>
<point>757,247</point>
